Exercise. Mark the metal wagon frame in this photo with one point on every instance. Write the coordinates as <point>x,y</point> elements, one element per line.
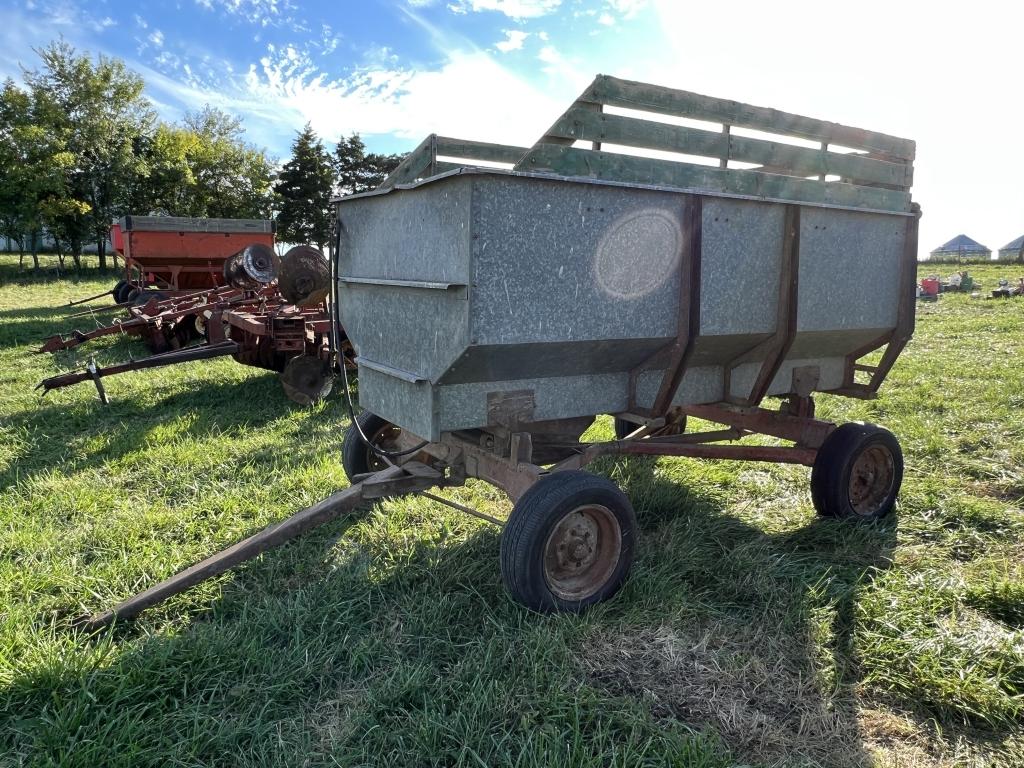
<point>569,540</point>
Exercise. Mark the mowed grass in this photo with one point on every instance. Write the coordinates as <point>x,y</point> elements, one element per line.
<point>750,632</point>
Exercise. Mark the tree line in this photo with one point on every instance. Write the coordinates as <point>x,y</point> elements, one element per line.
<point>80,146</point>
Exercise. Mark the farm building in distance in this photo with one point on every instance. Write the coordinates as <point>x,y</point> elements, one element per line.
<point>1012,250</point>
<point>961,248</point>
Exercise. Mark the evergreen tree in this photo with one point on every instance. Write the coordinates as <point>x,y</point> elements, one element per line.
<point>358,171</point>
<point>304,188</point>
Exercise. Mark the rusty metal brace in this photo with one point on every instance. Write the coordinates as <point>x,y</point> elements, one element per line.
<point>94,374</point>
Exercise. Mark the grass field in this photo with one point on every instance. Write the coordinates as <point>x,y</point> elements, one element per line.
<point>750,632</point>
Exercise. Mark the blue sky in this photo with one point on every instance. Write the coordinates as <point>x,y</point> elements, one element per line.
<point>946,75</point>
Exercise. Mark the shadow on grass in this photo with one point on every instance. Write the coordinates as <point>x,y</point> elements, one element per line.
<point>385,648</point>
<point>30,326</point>
<point>50,271</point>
<point>760,645</point>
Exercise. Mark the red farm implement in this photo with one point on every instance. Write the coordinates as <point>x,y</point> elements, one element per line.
<point>265,316</point>
<point>175,255</point>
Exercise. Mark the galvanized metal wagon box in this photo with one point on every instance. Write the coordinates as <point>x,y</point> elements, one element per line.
<point>468,288</point>
<point>495,313</point>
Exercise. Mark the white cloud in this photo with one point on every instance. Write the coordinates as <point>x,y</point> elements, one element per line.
<point>263,13</point>
<point>514,9</point>
<point>607,19</point>
<point>329,40</point>
<point>470,96</point>
<point>513,41</point>
<point>167,60</point>
<point>627,8</point>
<point>141,22</point>
<point>157,38</point>
<point>59,13</point>
<point>549,55</point>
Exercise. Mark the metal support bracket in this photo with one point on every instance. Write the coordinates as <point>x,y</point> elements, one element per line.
<point>681,348</point>
<point>774,349</point>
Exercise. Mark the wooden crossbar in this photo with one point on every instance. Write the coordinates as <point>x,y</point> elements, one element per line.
<point>877,174</point>
<point>670,101</point>
<point>423,161</point>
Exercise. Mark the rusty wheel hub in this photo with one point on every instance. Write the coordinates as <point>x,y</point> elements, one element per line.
<point>871,480</point>
<point>582,551</point>
<point>385,438</point>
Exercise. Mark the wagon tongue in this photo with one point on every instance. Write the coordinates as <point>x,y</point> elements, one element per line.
<point>305,277</point>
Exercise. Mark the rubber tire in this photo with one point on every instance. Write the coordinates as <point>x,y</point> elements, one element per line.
<point>120,291</point>
<point>126,293</point>
<point>830,475</point>
<point>531,522</point>
<point>353,449</point>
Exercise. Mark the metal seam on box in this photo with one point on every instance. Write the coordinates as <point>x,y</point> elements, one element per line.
<point>438,286</point>
<point>387,370</point>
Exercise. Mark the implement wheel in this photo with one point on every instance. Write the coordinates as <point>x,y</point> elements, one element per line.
<point>857,473</point>
<point>568,543</point>
<point>357,457</point>
<point>121,290</point>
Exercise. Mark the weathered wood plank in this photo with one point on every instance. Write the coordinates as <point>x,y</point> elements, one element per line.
<point>586,125</point>
<point>440,166</point>
<point>585,163</point>
<point>415,163</point>
<point>465,149</point>
<point>669,101</point>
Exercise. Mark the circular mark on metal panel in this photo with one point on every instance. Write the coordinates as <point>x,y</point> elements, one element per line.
<point>638,253</point>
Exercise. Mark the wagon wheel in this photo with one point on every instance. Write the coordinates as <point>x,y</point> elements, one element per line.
<point>120,291</point>
<point>568,543</point>
<point>857,473</point>
<point>357,457</point>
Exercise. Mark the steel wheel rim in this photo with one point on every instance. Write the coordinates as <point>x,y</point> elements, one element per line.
<point>582,551</point>
<point>385,439</point>
<point>871,480</point>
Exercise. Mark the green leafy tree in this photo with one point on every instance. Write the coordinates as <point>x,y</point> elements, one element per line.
<point>304,191</point>
<point>204,168</point>
<point>231,178</point>
<point>96,110</point>
<point>34,166</point>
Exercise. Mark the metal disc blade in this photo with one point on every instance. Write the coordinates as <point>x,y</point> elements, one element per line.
<point>254,266</point>
<point>306,379</point>
<point>305,277</point>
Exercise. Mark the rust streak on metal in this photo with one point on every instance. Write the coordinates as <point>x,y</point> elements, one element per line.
<point>774,453</point>
<point>804,431</point>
